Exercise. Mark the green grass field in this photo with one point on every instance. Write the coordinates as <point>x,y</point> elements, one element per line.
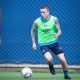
<point>6,75</point>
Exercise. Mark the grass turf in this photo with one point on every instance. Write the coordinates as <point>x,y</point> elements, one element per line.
<point>5,75</point>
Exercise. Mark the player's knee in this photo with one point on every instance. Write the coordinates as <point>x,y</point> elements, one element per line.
<point>63,61</point>
<point>50,60</point>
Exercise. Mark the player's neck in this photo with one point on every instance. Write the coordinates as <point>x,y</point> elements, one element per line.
<point>47,18</point>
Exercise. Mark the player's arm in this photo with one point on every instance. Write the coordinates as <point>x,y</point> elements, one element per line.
<point>58,28</point>
<point>34,26</point>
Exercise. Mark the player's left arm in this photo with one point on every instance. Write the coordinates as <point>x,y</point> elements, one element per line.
<point>58,28</point>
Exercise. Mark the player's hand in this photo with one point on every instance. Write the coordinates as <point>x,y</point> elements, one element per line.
<point>34,46</point>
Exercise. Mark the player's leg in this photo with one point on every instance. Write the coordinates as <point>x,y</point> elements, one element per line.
<point>57,50</point>
<point>49,59</point>
<point>46,52</point>
<point>63,61</point>
<point>64,65</point>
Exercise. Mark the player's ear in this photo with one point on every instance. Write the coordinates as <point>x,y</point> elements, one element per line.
<point>48,12</point>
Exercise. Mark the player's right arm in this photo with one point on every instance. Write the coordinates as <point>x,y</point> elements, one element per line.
<point>34,26</point>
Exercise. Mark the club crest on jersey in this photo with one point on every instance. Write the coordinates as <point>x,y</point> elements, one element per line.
<point>45,25</point>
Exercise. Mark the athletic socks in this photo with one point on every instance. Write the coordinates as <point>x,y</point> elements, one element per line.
<point>51,68</point>
<point>66,75</point>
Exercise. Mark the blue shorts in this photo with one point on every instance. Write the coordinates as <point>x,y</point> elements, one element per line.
<point>55,48</point>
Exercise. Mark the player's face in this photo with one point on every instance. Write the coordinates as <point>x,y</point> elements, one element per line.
<point>44,13</point>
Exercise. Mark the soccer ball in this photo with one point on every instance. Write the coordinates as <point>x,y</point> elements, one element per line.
<point>26,72</point>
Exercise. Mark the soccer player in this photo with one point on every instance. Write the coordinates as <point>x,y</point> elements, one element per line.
<point>48,32</point>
